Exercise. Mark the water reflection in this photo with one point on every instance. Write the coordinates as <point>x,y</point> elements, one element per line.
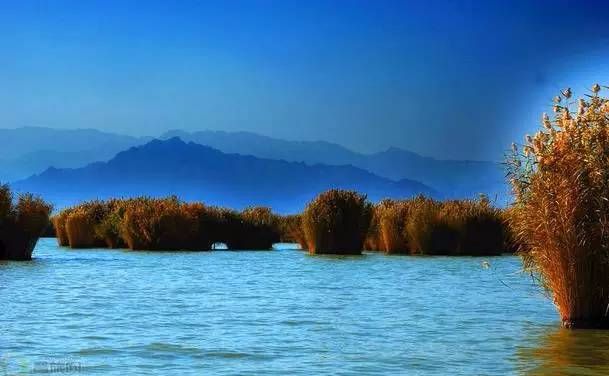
<point>566,352</point>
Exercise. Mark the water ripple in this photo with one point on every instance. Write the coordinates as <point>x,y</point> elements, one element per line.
<point>282,312</point>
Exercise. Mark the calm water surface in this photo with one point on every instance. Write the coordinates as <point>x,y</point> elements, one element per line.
<point>281,312</point>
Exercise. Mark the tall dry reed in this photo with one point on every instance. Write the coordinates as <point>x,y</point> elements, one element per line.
<point>291,231</point>
<point>374,238</point>
<point>81,223</point>
<point>108,227</point>
<point>21,224</point>
<point>256,228</point>
<point>560,216</point>
<point>157,224</point>
<point>59,222</point>
<point>336,222</point>
<point>392,219</point>
<point>428,230</point>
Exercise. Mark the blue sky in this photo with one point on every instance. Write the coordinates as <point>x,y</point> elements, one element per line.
<point>451,79</point>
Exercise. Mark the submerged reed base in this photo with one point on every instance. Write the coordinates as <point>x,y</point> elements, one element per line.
<point>586,324</point>
<point>15,245</point>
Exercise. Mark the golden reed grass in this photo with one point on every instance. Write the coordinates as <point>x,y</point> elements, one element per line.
<point>291,231</point>
<point>337,222</point>
<point>108,227</point>
<point>21,224</point>
<point>156,224</point>
<point>257,228</point>
<point>425,226</point>
<point>59,223</point>
<point>560,215</point>
<point>164,224</point>
<point>427,229</point>
<point>374,238</point>
<point>392,217</point>
<point>80,225</point>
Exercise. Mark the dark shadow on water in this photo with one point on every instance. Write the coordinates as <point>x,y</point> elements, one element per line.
<point>561,351</point>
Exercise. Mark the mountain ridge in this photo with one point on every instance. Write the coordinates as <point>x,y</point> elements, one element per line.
<point>197,172</point>
<point>454,178</point>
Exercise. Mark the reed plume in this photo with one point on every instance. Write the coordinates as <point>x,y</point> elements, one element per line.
<point>560,214</point>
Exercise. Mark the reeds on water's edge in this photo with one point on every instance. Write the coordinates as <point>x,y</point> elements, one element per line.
<point>336,222</point>
<point>291,230</point>
<point>560,215</point>
<point>165,224</point>
<point>430,227</point>
<point>22,222</point>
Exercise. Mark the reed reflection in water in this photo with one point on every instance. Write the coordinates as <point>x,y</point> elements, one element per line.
<point>566,352</point>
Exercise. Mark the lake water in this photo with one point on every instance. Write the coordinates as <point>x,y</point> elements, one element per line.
<point>281,312</point>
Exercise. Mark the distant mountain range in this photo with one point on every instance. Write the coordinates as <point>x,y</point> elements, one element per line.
<point>453,178</point>
<point>31,150</point>
<point>197,172</point>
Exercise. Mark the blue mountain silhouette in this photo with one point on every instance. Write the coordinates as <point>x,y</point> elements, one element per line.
<point>197,172</point>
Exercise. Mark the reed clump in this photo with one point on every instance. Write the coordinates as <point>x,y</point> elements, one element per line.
<point>21,224</point>
<point>336,222</point>
<point>479,227</point>
<point>255,228</point>
<point>59,223</point>
<point>428,230</point>
<point>207,225</point>
<point>560,215</point>
<point>426,226</point>
<point>291,231</point>
<point>374,239</point>
<point>157,224</point>
<point>392,218</point>
<point>82,222</point>
<point>108,227</point>
<point>164,224</point>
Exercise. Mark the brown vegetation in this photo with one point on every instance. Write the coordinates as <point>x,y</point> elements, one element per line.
<point>21,224</point>
<point>164,224</point>
<point>257,228</point>
<point>392,217</point>
<point>428,230</point>
<point>59,223</point>
<point>336,222</point>
<point>80,225</point>
<point>290,229</point>
<point>425,226</point>
<point>560,179</point>
<point>156,224</point>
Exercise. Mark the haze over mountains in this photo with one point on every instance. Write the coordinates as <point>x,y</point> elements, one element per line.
<point>29,150</point>
<point>452,178</point>
<point>197,172</point>
<point>32,150</point>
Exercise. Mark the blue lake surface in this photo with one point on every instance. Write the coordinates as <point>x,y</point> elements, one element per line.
<point>281,312</point>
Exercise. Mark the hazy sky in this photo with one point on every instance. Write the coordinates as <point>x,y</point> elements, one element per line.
<point>454,79</point>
